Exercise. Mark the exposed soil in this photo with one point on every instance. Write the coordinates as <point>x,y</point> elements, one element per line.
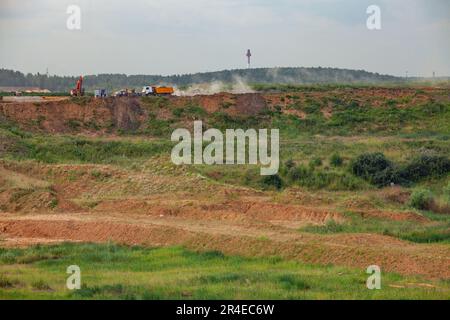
<point>358,250</point>
<point>103,115</point>
<point>236,221</point>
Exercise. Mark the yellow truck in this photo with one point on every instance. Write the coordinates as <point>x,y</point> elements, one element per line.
<point>157,91</point>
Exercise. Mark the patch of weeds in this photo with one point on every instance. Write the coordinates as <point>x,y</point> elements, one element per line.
<point>226,105</point>
<point>81,101</point>
<point>220,278</point>
<point>421,199</point>
<point>315,162</point>
<point>5,283</point>
<point>190,111</point>
<point>272,182</point>
<point>92,125</point>
<point>41,285</point>
<point>100,175</point>
<point>158,127</point>
<point>53,203</point>
<point>17,195</point>
<point>74,124</point>
<point>336,160</point>
<point>293,282</point>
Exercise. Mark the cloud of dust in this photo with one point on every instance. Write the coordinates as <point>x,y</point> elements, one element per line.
<point>238,85</point>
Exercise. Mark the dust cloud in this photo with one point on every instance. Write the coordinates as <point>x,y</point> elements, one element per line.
<point>238,86</point>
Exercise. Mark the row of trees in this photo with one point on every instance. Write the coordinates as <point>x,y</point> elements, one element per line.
<point>263,75</point>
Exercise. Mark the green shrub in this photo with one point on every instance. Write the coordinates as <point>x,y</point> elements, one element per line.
<point>273,181</point>
<point>318,179</point>
<point>421,199</point>
<point>297,173</point>
<point>316,162</point>
<point>426,166</point>
<point>336,160</point>
<point>53,203</point>
<point>375,168</point>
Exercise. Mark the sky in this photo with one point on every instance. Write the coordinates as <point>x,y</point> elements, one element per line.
<point>187,36</point>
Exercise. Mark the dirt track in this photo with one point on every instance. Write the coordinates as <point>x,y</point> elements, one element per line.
<point>237,221</point>
<point>357,250</point>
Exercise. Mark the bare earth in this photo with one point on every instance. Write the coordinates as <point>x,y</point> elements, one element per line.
<point>156,209</point>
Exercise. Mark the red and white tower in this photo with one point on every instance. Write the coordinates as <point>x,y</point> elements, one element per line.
<point>249,55</point>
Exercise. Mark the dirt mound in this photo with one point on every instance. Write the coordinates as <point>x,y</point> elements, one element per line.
<point>250,104</point>
<point>69,116</point>
<point>27,200</point>
<point>395,216</point>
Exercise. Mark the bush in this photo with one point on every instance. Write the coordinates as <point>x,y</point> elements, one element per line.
<point>297,173</point>
<point>317,179</point>
<point>375,168</point>
<point>273,181</point>
<point>336,160</point>
<point>426,166</point>
<point>421,199</point>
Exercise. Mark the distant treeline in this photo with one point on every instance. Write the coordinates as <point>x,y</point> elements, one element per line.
<point>10,78</point>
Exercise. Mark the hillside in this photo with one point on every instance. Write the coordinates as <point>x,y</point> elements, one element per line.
<point>263,75</point>
<point>99,171</point>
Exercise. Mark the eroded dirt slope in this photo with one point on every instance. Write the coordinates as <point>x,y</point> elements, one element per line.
<point>130,114</point>
<point>155,207</point>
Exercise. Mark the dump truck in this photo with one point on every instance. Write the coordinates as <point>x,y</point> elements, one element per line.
<point>157,91</point>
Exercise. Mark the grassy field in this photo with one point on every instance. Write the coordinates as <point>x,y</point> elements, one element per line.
<point>115,272</point>
<point>438,231</point>
<point>90,172</point>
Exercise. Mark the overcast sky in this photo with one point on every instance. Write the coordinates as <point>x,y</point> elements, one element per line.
<point>187,36</point>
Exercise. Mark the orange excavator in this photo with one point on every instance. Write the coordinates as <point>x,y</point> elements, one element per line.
<point>79,90</point>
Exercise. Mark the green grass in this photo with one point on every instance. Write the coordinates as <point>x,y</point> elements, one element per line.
<point>117,272</point>
<point>300,165</point>
<point>71,149</point>
<point>436,231</point>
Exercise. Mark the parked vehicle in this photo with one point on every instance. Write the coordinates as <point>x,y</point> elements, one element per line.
<point>100,93</point>
<point>157,91</point>
<point>126,93</point>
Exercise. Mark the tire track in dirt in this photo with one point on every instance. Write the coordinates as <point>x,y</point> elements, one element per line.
<point>357,250</point>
